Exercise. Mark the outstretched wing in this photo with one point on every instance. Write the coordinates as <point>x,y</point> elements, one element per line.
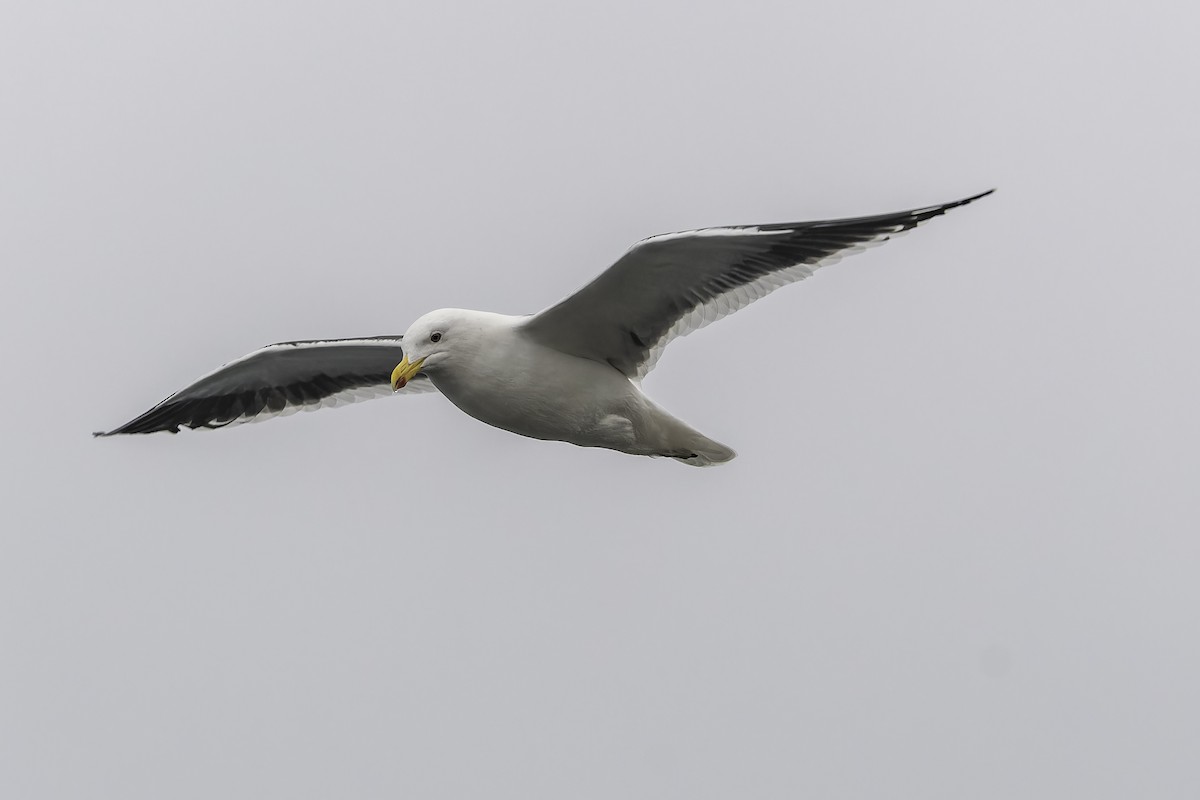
<point>670,285</point>
<point>281,379</point>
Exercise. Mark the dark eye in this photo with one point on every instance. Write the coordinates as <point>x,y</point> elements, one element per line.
<point>435,337</point>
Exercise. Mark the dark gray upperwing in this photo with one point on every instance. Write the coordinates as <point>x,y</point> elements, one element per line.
<point>280,379</point>
<point>670,285</point>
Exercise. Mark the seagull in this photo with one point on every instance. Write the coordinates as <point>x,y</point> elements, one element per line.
<point>571,373</point>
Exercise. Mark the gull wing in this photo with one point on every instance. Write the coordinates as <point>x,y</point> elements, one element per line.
<point>280,379</point>
<point>670,285</point>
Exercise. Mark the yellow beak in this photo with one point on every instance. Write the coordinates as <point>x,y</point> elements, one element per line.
<point>404,372</point>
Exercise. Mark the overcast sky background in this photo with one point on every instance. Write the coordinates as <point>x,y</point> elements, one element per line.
<point>956,557</point>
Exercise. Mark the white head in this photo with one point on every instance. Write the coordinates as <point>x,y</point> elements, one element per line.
<point>431,342</point>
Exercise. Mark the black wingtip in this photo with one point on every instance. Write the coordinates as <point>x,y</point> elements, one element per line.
<point>139,425</point>
<point>973,198</point>
<point>925,214</point>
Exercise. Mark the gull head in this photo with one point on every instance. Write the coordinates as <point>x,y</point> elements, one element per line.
<point>431,341</point>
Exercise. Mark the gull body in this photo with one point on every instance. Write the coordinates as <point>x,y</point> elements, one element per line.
<point>491,368</point>
<point>569,373</point>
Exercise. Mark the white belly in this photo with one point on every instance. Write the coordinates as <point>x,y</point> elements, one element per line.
<point>545,394</point>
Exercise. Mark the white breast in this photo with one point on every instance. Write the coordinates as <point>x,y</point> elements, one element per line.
<point>521,386</point>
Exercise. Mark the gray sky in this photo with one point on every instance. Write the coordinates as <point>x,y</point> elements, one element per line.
<point>956,557</point>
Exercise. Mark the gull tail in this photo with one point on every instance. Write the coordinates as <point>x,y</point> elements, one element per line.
<point>689,446</point>
<point>704,452</point>
<point>661,435</point>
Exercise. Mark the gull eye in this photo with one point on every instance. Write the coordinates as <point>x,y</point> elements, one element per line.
<point>435,337</point>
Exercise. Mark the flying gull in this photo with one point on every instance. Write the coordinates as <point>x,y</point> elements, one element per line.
<point>570,373</point>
